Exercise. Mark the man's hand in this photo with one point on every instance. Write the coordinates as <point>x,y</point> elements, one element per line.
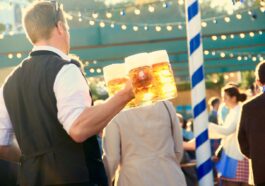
<point>10,153</point>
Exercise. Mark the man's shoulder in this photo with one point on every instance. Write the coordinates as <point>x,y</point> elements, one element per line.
<point>253,102</point>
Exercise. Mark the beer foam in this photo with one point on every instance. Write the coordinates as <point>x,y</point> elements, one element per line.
<point>114,71</point>
<point>137,60</point>
<point>158,56</point>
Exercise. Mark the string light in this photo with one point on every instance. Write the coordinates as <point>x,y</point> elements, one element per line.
<point>92,70</point>
<point>102,24</point>
<point>239,58</point>
<point>232,36</point>
<point>238,16</point>
<point>158,28</point>
<point>180,27</point>
<point>169,28</point>
<point>214,37</point>
<point>95,15</point>
<point>242,35</point>
<point>165,5</point>
<point>251,34</point>
<point>151,9</point>
<point>11,33</point>
<point>10,56</point>
<point>137,11</point>
<point>109,15</point>
<point>227,19</point>
<point>180,2</point>
<point>112,25</point>
<point>146,26</point>
<point>223,37</point>
<point>98,70</point>
<point>204,24</point>
<point>92,22</point>
<point>122,13</point>
<point>206,52</point>
<point>135,28</point>
<point>222,54</point>
<point>123,27</point>
<point>19,55</point>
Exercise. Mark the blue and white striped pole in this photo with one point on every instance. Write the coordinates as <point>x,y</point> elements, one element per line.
<point>196,70</point>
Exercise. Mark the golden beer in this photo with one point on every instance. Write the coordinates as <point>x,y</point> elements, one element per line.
<point>115,85</point>
<point>140,73</point>
<point>163,76</point>
<point>116,78</point>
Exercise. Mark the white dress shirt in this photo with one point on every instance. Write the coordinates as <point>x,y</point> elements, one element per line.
<point>228,133</point>
<point>71,92</point>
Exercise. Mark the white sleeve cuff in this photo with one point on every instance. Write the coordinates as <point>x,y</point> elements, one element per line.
<point>6,137</point>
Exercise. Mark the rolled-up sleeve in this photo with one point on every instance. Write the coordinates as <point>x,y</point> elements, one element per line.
<point>72,95</point>
<point>6,129</point>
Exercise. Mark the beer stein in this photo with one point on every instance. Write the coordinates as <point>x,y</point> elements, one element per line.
<point>164,81</point>
<point>140,73</point>
<point>115,76</point>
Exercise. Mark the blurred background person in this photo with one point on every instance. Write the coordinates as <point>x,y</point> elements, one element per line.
<point>188,165</point>
<point>232,167</point>
<point>143,146</point>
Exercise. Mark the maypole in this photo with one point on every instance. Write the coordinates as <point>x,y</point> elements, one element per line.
<point>196,71</point>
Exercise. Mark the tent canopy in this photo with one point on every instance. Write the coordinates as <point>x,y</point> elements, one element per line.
<point>237,45</point>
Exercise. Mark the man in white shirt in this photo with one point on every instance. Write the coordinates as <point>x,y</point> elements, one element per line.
<point>44,96</point>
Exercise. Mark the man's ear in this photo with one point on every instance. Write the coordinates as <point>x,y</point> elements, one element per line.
<point>60,27</point>
<point>258,83</point>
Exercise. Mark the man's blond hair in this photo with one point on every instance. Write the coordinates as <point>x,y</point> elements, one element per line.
<point>40,19</point>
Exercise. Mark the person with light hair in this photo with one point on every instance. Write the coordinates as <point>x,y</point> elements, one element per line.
<point>45,103</point>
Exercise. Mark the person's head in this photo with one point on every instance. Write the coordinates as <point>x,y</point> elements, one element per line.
<point>254,89</point>
<point>45,24</point>
<point>231,96</point>
<point>260,73</point>
<point>214,103</point>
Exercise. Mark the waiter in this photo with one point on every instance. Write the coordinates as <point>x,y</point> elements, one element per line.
<point>45,102</point>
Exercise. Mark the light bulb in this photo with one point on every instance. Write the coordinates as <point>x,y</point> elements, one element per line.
<point>169,28</point>
<point>158,28</point>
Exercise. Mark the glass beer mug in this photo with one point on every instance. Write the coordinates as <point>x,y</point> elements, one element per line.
<point>140,73</point>
<point>163,76</point>
<point>116,78</point>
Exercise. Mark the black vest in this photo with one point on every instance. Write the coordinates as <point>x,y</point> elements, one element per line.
<point>49,155</point>
<point>94,162</point>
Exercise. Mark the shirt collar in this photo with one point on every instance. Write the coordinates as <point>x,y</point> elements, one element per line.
<point>263,88</point>
<point>52,49</point>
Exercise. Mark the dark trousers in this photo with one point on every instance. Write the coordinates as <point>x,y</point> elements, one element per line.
<point>261,184</point>
<point>231,183</point>
<point>8,173</point>
<point>75,184</point>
